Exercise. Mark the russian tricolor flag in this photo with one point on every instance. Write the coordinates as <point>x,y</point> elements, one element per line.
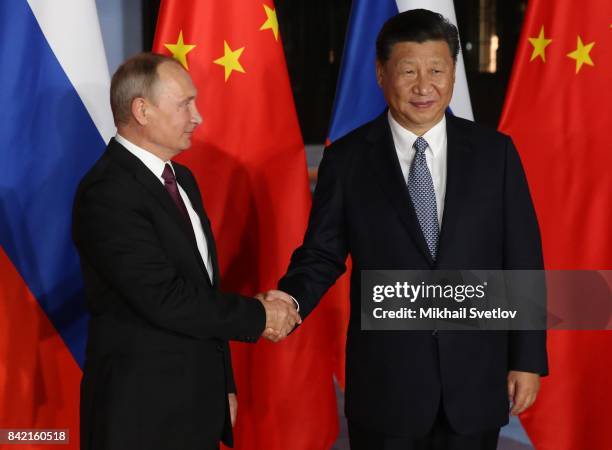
<point>358,97</point>
<point>54,122</point>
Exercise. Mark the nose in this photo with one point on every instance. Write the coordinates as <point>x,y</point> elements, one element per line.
<point>196,118</point>
<point>423,85</point>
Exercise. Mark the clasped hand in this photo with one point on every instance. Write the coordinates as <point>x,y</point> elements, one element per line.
<point>281,314</point>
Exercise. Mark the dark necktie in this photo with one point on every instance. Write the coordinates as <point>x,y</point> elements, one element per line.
<point>420,186</point>
<point>172,188</point>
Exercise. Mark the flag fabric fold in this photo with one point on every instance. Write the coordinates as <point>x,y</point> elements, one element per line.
<point>557,110</point>
<point>249,160</point>
<point>54,121</point>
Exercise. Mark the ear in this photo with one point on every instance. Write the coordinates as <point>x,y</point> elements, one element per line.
<point>380,68</point>
<point>139,110</point>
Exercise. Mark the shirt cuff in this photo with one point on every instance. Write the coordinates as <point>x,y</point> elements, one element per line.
<point>297,304</point>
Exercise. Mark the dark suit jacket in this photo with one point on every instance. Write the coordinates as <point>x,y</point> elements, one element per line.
<point>395,380</point>
<point>158,369</point>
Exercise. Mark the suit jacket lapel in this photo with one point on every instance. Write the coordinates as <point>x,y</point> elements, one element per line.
<point>459,166</point>
<point>388,174</point>
<point>192,191</point>
<point>147,179</point>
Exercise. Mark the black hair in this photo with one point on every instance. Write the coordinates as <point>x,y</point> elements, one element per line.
<point>416,25</point>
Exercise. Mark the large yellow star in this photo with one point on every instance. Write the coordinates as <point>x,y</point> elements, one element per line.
<point>581,54</point>
<point>539,45</point>
<point>272,22</point>
<point>229,60</point>
<point>180,49</point>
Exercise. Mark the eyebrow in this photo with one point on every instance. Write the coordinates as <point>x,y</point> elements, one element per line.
<point>188,98</point>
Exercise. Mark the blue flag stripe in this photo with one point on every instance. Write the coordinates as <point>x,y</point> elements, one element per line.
<point>49,143</point>
<point>358,97</point>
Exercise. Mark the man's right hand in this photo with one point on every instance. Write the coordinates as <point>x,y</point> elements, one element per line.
<point>281,317</point>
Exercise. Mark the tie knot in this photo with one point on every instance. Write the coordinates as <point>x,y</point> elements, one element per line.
<point>168,174</point>
<point>420,145</point>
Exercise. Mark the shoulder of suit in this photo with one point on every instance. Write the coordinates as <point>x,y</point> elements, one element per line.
<point>477,132</point>
<point>363,133</point>
<point>357,141</point>
<point>106,171</point>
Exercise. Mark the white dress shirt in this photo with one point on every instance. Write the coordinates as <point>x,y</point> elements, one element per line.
<point>435,155</point>
<point>156,165</point>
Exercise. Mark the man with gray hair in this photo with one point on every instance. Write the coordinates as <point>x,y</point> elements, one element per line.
<point>158,371</point>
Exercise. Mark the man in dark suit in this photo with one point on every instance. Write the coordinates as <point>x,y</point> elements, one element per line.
<point>421,189</point>
<point>158,371</point>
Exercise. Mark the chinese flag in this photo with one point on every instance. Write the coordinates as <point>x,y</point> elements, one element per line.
<point>249,160</point>
<point>559,113</point>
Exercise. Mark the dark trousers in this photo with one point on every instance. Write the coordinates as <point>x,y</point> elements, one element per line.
<point>441,437</point>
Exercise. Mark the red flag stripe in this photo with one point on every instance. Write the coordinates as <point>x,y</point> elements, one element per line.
<point>248,157</point>
<point>558,112</point>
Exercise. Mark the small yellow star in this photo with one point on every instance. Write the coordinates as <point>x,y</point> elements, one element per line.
<point>272,22</point>
<point>581,54</point>
<point>229,60</point>
<point>180,49</point>
<point>539,45</point>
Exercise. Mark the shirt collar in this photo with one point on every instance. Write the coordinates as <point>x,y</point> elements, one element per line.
<point>153,163</point>
<point>404,139</point>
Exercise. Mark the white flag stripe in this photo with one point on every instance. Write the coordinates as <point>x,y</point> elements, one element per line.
<point>72,30</point>
<point>460,103</point>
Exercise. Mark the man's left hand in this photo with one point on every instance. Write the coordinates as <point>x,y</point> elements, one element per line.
<point>233,405</point>
<point>523,388</point>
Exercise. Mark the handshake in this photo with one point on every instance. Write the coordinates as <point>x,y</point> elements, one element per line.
<point>281,314</point>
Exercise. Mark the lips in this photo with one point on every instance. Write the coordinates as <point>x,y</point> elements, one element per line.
<point>422,105</point>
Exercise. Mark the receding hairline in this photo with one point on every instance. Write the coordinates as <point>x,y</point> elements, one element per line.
<point>137,77</point>
<point>158,78</point>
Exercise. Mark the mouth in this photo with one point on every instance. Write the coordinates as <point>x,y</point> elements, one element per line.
<point>423,104</point>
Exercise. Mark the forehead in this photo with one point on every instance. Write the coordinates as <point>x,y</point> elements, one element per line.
<point>172,77</point>
<point>411,50</point>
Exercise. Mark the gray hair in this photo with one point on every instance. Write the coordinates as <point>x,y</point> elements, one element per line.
<point>136,77</point>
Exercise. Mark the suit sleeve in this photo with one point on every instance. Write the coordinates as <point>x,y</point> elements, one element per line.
<point>231,384</point>
<point>117,239</point>
<point>320,260</point>
<point>522,251</point>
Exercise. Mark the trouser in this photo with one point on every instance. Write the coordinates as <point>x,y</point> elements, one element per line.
<point>441,437</point>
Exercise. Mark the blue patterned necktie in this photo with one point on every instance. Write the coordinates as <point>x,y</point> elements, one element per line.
<point>420,186</point>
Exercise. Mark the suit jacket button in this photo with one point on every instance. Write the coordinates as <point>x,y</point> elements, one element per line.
<point>220,347</point>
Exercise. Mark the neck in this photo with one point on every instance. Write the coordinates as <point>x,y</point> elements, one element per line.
<point>417,129</point>
<point>137,138</point>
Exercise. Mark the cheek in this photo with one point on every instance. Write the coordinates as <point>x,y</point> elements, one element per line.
<point>401,90</point>
<point>446,86</point>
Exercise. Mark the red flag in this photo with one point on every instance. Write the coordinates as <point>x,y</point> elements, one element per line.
<point>249,159</point>
<point>558,110</point>
<point>38,375</point>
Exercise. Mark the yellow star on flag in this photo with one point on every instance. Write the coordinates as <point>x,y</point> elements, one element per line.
<point>539,45</point>
<point>272,22</point>
<point>581,54</point>
<point>229,60</point>
<point>180,49</point>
